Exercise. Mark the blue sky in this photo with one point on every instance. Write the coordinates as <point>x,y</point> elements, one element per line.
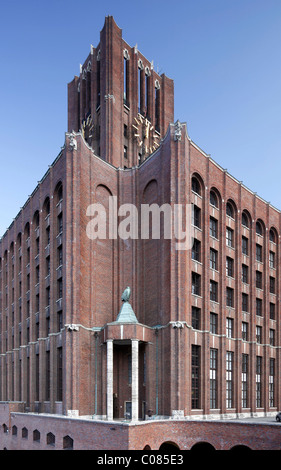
<point>224,57</point>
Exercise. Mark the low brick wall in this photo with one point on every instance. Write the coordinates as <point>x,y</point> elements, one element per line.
<point>29,431</point>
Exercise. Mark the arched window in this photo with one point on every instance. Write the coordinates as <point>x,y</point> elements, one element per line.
<point>272,235</point>
<point>259,230</point>
<point>229,210</point>
<point>245,220</point>
<point>213,199</point>
<point>195,186</point>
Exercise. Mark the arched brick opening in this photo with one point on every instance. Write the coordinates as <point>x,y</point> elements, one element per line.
<point>202,446</point>
<point>240,448</point>
<point>169,446</point>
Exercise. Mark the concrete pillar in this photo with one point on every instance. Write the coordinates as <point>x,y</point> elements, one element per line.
<point>135,379</point>
<point>109,378</point>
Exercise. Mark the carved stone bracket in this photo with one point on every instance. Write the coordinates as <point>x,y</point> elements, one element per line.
<point>178,324</point>
<point>72,327</point>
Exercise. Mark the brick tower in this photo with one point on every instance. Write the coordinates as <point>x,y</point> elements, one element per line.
<point>199,334</point>
<point>122,106</point>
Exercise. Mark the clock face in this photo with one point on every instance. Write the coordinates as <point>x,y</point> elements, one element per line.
<point>87,129</point>
<point>147,137</point>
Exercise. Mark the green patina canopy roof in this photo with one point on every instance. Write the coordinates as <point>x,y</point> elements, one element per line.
<point>126,314</point>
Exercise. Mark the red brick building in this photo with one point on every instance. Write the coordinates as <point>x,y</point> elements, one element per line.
<point>200,337</point>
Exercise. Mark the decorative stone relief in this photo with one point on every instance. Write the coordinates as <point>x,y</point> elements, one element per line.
<point>178,128</point>
<point>72,142</point>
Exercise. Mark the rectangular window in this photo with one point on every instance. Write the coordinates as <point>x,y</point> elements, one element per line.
<point>272,285</point>
<point>229,327</point>
<point>259,253</point>
<point>258,280</point>
<point>258,381</point>
<point>272,311</point>
<point>245,246</point>
<point>245,367</point>
<point>213,377</point>
<point>229,237</point>
<point>271,382</point>
<point>271,259</point>
<point>195,377</point>
<point>213,259</point>
<point>59,374</point>
<point>214,291</point>
<point>229,379</point>
<point>196,249</point>
<point>196,216</point>
<point>272,337</point>
<point>196,284</point>
<point>213,227</point>
<point>245,271</point>
<point>245,302</point>
<point>245,331</point>
<point>196,318</point>
<point>229,297</point>
<point>229,266</point>
<point>259,307</point>
<point>214,323</point>
<point>258,334</point>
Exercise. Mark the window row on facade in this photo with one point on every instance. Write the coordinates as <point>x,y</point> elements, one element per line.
<point>31,277</point>
<point>229,367</point>
<point>229,328</point>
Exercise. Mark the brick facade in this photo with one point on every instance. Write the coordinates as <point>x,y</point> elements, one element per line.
<point>207,336</point>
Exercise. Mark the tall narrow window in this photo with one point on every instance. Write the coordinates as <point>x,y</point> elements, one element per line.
<point>126,79</point>
<point>59,374</point>
<point>214,323</point>
<point>196,284</point>
<point>229,297</point>
<point>196,249</point>
<point>258,334</point>
<point>196,216</point>
<point>229,327</point>
<point>213,377</point>
<point>214,291</point>
<point>196,318</point>
<point>229,379</point>
<point>213,227</point>
<point>244,331</point>
<point>258,381</point>
<point>98,82</point>
<point>147,78</point>
<point>48,383</point>
<point>213,259</point>
<point>271,382</point>
<point>245,246</point>
<point>195,377</point>
<point>245,380</point>
<point>259,253</point>
<point>229,237</point>
<point>271,259</point>
<point>140,87</point>
<point>37,377</point>
<point>157,106</point>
